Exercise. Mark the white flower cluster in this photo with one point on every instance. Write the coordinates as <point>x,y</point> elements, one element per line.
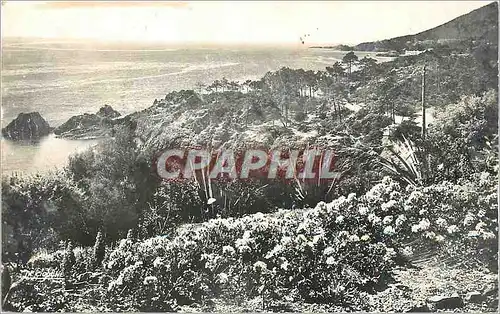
<point>275,251</point>
<point>150,280</point>
<point>389,205</point>
<point>441,222</point>
<point>400,220</point>
<point>222,278</point>
<point>452,229</point>
<point>423,225</point>
<point>387,220</point>
<point>260,267</point>
<point>389,230</point>
<point>228,250</point>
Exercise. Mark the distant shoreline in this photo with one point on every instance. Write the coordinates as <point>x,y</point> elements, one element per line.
<point>336,47</point>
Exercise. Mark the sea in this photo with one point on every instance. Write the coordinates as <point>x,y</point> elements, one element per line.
<point>60,79</point>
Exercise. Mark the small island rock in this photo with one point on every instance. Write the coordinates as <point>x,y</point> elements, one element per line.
<point>27,126</point>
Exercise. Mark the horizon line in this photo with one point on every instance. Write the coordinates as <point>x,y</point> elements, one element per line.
<point>43,40</point>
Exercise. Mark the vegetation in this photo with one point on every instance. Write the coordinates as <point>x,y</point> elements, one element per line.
<point>111,236</point>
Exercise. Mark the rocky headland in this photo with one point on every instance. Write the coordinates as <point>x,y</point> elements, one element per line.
<point>89,125</point>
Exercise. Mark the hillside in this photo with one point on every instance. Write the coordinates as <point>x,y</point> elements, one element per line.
<point>480,25</point>
<point>421,239</point>
<point>411,224</point>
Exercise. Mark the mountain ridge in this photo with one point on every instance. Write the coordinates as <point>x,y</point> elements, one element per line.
<point>473,28</point>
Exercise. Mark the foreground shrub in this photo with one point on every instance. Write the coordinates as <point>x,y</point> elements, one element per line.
<point>37,211</point>
<point>326,254</point>
<point>458,220</point>
<point>333,253</point>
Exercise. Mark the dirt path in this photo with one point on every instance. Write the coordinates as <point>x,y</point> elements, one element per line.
<point>414,286</point>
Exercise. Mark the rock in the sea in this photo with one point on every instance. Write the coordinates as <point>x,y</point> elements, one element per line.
<point>89,125</point>
<point>27,126</point>
<point>448,302</point>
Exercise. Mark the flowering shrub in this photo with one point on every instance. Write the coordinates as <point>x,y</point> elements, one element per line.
<point>332,253</point>
<point>326,254</point>
<point>458,218</point>
<point>44,259</point>
<point>30,295</point>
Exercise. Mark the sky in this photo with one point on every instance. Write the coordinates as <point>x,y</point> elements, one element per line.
<point>228,22</point>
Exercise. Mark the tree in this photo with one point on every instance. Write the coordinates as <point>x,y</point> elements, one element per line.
<point>37,212</point>
<point>257,85</point>
<point>390,91</point>
<point>283,87</point>
<point>247,85</point>
<point>214,86</point>
<point>368,66</point>
<point>336,70</point>
<point>99,250</point>
<point>118,180</point>
<point>333,88</point>
<point>224,83</point>
<point>234,86</point>
<point>301,81</point>
<point>200,87</point>
<point>464,137</point>
<point>349,59</point>
<point>311,81</point>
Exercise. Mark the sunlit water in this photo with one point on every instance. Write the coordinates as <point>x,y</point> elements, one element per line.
<point>61,80</point>
<point>48,154</point>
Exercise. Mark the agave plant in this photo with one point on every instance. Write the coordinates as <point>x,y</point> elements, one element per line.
<point>404,162</point>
